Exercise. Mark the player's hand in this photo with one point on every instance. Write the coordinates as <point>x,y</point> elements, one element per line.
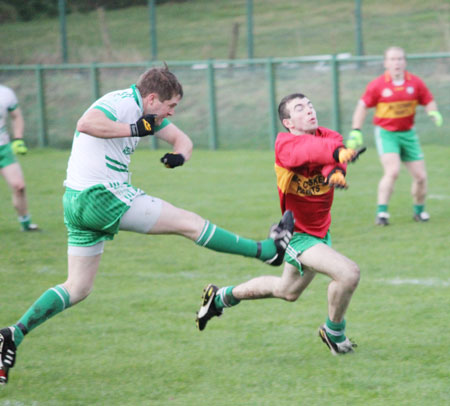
<point>18,146</point>
<point>144,126</point>
<point>355,139</point>
<point>346,155</point>
<point>336,179</point>
<point>171,160</point>
<point>436,117</point>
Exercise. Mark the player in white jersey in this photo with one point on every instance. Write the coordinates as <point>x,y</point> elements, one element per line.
<point>9,166</point>
<point>99,200</point>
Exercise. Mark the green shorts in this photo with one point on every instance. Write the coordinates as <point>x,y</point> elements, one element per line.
<point>7,156</point>
<point>299,243</point>
<point>93,215</point>
<point>404,143</point>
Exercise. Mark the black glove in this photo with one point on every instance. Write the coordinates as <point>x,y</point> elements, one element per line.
<point>144,126</point>
<point>171,160</point>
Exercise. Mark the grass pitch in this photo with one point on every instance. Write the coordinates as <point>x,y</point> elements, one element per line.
<point>134,341</point>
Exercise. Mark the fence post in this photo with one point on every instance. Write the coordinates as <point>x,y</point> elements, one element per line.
<point>62,25</point>
<point>250,29</point>
<point>272,105</point>
<point>94,82</point>
<point>336,102</point>
<point>358,31</point>
<point>154,42</point>
<point>42,141</point>
<point>213,141</point>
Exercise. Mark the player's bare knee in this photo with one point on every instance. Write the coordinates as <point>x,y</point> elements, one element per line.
<point>18,188</point>
<point>287,294</point>
<point>421,179</point>
<point>352,276</point>
<point>393,175</point>
<point>190,225</point>
<point>291,296</point>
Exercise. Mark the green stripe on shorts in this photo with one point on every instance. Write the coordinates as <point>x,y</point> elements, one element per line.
<point>92,215</point>
<point>299,243</point>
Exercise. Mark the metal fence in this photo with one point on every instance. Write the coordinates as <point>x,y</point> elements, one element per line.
<point>227,104</point>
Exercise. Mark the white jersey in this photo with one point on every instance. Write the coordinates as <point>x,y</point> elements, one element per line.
<point>104,161</point>
<point>8,103</point>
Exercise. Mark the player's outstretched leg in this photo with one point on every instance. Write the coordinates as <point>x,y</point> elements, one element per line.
<point>7,353</point>
<point>208,308</point>
<point>344,347</point>
<point>281,234</point>
<point>271,250</point>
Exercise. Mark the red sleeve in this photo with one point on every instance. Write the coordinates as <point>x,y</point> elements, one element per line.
<point>425,95</point>
<point>371,95</point>
<point>292,151</point>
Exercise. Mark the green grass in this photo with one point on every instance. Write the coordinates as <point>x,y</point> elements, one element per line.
<point>134,342</point>
<point>201,29</point>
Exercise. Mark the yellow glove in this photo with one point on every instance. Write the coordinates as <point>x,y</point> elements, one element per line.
<point>346,155</point>
<point>355,139</point>
<point>437,117</point>
<point>18,146</point>
<point>336,179</point>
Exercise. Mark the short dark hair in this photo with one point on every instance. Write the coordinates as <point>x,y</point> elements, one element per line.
<point>160,81</point>
<point>282,111</point>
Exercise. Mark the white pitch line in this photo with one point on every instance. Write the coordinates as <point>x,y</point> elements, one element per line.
<point>439,197</point>
<point>421,282</point>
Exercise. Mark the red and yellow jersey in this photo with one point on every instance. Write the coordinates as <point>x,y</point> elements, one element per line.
<point>396,104</point>
<point>302,163</point>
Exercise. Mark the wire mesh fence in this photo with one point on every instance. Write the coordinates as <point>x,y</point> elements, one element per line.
<point>243,111</point>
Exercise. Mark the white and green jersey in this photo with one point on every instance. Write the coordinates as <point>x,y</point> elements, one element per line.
<point>105,161</point>
<point>8,103</point>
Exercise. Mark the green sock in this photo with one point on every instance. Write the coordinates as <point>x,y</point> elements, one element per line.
<point>224,298</point>
<point>25,221</point>
<point>418,208</point>
<point>52,302</point>
<point>335,331</point>
<point>382,208</point>
<point>218,239</point>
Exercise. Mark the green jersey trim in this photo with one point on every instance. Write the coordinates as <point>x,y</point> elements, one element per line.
<point>120,167</point>
<point>163,124</point>
<point>107,113</point>
<point>137,96</point>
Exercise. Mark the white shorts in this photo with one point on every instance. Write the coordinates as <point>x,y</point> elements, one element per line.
<point>142,215</point>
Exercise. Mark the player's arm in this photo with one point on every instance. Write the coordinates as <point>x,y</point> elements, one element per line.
<point>18,125</point>
<point>181,145</point>
<point>305,149</point>
<point>432,110</point>
<point>359,115</point>
<point>95,123</point>
<point>355,138</point>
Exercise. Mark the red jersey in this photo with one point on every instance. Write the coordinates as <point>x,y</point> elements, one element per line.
<point>302,163</point>
<point>396,104</point>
